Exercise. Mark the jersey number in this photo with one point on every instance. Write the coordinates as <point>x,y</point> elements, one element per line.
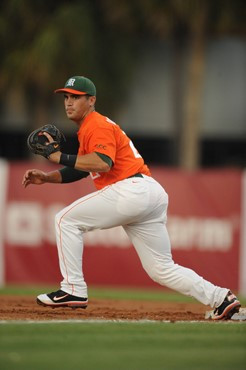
<point>94,175</point>
<point>134,150</point>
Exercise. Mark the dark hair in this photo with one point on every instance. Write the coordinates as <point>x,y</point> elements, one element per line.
<point>88,96</point>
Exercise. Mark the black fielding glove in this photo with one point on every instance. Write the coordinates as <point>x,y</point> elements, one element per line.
<point>39,144</point>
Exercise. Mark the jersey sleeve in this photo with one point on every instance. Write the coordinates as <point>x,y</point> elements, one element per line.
<point>102,140</point>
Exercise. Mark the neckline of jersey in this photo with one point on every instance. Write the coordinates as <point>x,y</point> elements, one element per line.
<point>85,121</point>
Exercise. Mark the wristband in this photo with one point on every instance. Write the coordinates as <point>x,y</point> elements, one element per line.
<point>69,174</point>
<point>68,159</point>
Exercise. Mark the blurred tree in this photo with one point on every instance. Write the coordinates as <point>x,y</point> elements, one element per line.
<point>44,42</point>
<point>49,41</point>
<point>188,24</point>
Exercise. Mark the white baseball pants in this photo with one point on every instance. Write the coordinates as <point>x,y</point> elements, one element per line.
<point>140,206</point>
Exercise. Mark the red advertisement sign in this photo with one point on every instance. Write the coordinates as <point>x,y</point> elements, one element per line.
<point>203,221</point>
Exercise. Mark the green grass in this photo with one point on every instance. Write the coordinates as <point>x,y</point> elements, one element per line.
<point>99,292</point>
<point>123,346</point>
<point>107,292</point>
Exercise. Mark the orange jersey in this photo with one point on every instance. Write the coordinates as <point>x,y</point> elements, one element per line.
<point>99,134</point>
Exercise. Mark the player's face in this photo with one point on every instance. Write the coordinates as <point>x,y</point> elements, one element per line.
<point>78,106</point>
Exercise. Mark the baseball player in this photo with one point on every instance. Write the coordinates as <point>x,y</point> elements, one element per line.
<point>126,195</point>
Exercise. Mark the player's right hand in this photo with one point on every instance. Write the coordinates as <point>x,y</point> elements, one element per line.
<point>36,177</point>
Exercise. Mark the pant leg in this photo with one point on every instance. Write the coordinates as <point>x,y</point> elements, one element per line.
<point>151,241</point>
<point>94,211</point>
<point>139,205</point>
<point>112,206</point>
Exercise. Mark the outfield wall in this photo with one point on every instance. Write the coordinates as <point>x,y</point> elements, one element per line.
<point>206,222</point>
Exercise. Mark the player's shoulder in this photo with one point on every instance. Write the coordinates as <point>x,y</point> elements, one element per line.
<point>104,122</point>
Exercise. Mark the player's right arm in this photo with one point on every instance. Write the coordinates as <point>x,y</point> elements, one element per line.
<point>62,176</point>
<point>38,177</point>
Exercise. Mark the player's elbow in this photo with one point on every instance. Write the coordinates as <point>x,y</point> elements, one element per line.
<point>104,167</point>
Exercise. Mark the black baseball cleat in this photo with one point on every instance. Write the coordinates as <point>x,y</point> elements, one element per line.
<point>228,308</point>
<point>61,299</point>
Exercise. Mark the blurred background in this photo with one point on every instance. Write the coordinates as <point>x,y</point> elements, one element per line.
<point>171,73</point>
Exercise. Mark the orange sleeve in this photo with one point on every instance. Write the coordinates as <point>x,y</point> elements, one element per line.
<point>102,140</point>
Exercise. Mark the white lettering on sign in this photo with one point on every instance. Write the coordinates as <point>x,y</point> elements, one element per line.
<point>30,223</point>
<point>201,234</point>
<point>24,223</point>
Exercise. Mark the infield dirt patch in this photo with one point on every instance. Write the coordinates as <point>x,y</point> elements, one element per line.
<point>26,308</point>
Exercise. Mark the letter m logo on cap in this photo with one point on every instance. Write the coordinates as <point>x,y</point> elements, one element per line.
<point>70,82</point>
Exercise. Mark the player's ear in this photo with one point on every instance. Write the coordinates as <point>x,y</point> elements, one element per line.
<point>92,100</point>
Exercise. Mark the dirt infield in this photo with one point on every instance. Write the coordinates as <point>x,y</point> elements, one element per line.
<point>26,308</point>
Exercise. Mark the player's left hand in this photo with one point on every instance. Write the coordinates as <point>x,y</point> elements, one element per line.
<point>35,177</point>
<point>45,141</point>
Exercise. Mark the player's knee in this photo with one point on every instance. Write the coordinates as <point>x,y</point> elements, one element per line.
<point>59,217</point>
<point>153,272</point>
<point>159,272</point>
<point>64,220</point>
